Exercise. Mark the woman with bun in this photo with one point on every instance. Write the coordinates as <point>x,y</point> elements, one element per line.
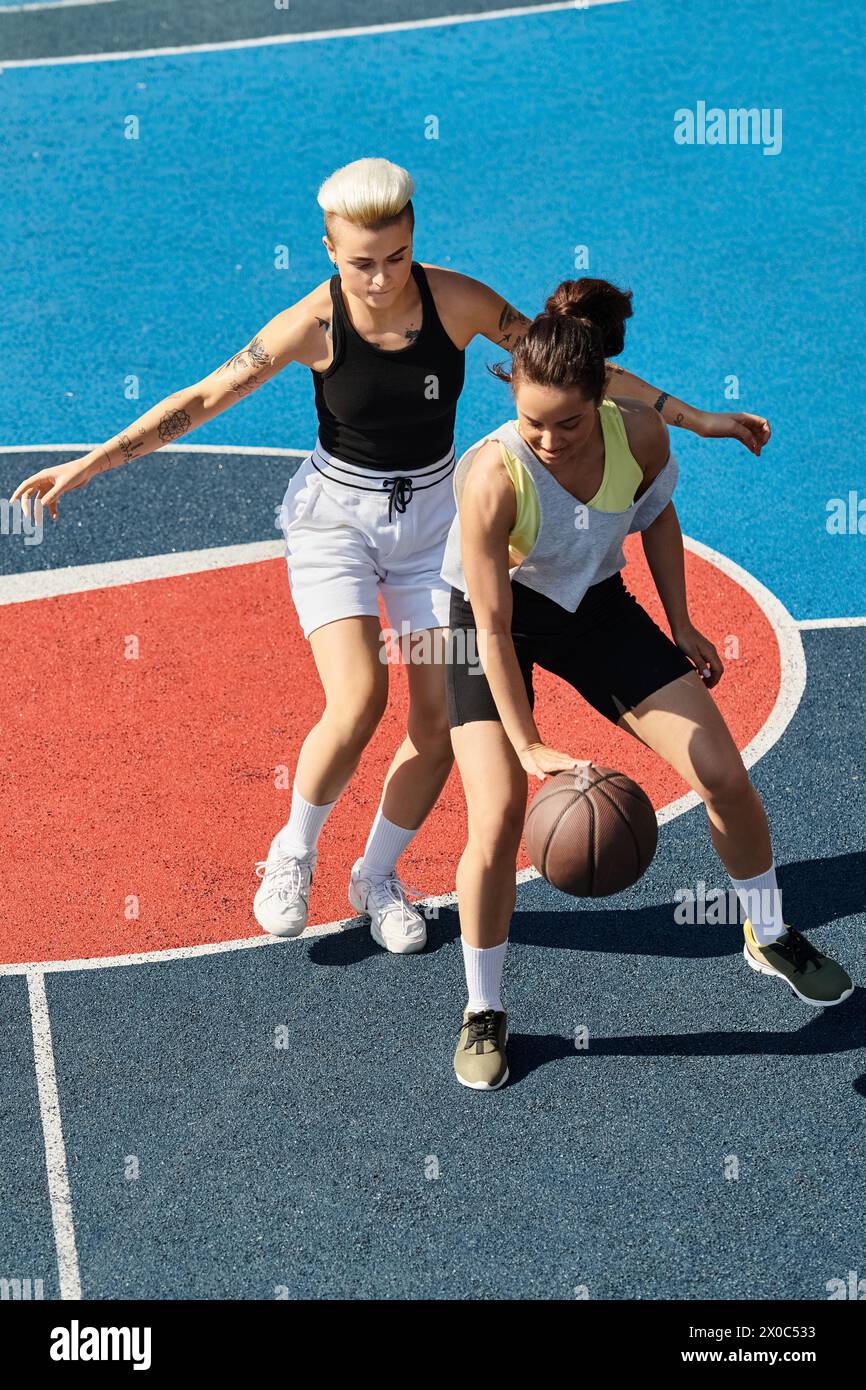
<point>365,515</point>
<point>534,559</point>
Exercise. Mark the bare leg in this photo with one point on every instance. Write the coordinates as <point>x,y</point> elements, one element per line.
<point>423,761</point>
<point>495,788</point>
<point>355,682</point>
<point>682,723</point>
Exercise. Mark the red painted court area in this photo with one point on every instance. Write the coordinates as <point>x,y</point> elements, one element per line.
<point>140,789</point>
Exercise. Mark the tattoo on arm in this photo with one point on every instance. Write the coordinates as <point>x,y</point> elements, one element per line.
<point>247,367</point>
<point>659,406</point>
<point>130,447</point>
<point>173,425</point>
<point>326,324</point>
<point>507,319</point>
<point>253,355</point>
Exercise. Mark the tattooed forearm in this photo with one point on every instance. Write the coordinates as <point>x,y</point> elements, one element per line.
<point>167,420</point>
<point>660,405</point>
<point>248,367</point>
<point>507,320</point>
<point>130,447</point>
<point>124,448</point>
<point>173,425</point>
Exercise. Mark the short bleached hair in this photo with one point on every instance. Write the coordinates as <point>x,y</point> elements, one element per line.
<point>371,193</point>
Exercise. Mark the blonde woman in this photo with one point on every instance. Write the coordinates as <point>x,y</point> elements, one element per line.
<point>366,514</point>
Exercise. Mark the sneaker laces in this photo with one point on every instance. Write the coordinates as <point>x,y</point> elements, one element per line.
<point>796,949</point>
<point>284,876</point>
<point>388,893</point>
<point>482,1027</point>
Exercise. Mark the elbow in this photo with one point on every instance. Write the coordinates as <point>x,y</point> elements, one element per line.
<point>664,519</point>
<point>492,621</point>
<point>203,394</point>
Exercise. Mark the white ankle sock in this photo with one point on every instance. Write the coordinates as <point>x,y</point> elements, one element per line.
<point>385,843</point>
<point>761,901</point>
<point>484,965</point>
<point>301,831</point>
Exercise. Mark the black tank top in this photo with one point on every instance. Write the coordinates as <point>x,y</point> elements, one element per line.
<point>387,410</point>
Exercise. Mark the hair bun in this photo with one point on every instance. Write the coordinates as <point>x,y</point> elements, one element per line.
<point>596,302</point>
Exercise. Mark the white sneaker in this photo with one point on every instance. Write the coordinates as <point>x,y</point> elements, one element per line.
<point>280,904</point>
<point>395,923</point>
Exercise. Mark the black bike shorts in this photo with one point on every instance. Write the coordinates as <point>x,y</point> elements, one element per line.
<point>610,651</point>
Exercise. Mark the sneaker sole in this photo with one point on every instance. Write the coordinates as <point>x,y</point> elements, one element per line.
<point>285,933</point>
<point>481,1085</point>
<point>764,969</point>
<point>404,948</point>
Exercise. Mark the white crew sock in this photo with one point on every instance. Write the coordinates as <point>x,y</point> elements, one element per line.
<point>385,843</point>
<point>761,901</point>
<point>301,831</point>
<point>484,965</point>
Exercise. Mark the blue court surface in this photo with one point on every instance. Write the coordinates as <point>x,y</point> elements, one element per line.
<point>231,1122</point>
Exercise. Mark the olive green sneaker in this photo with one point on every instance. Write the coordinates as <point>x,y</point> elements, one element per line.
<point>815,978</point>
<point>480,1060</point>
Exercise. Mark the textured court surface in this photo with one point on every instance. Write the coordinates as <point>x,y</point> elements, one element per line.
<point>157,777</point>
<point>203,1160</point>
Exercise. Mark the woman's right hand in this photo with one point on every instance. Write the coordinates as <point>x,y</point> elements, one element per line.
<point>49,483</point>
<point>539,760</point>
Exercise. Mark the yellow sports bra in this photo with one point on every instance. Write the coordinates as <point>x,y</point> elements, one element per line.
<point>622,477</point>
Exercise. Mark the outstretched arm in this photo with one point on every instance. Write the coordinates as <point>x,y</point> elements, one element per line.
<point>293,335</point>
<point>480,310</point>
<point>751,430</point>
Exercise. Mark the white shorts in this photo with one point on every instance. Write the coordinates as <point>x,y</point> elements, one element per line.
<point>353,534</point>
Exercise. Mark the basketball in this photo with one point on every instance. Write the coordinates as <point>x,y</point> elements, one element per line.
<point>591,832</point>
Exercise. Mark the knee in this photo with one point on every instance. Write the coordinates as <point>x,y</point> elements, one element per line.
<point>726,782</point>
<point>495,832</point>
<point>430,734</point>
<point>355,720</point>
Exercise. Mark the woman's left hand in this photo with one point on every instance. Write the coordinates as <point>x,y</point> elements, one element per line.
<point>701,651</point>
<point>752,430</point>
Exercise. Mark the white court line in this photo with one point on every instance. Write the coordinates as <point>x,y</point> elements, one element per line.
<point>76,579</point>
<point>807,623</point>
<point>168,448</point>
<point>314,36</point>
<point>79,579</point>
<point>52,1131</point>
<point>52,5</point>
<point>791,685</point>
